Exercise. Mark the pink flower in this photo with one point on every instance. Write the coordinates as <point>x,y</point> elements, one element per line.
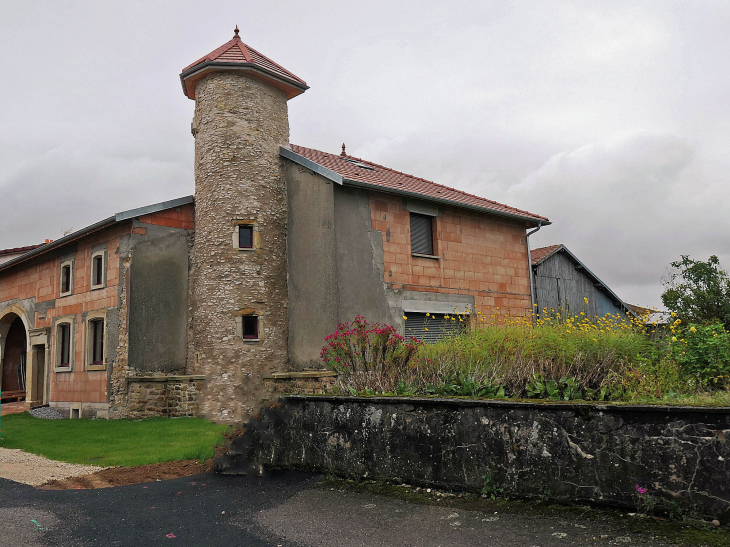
<point>640,490</point>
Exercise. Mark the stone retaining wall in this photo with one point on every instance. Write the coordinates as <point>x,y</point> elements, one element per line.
<point>307,382</point>
<point>164,396</point>
<point>570,452</point>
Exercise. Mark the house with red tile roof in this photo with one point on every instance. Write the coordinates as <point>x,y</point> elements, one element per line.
<point>202,304</point>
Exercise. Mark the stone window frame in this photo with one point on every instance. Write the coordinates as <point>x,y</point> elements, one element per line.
<point>70,264</point>
<point>71,321</point>
<point>88,340</point>
<point>93,286</point>
<point>259,327</point>
<point>256,236</point>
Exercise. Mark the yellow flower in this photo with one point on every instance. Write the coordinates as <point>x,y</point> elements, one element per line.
<point>427,314</point>
<point>692,329</point>
<point>425,329</point>
<point>404,317</point>
<point>674,338</point>
<point>585,299</point>
<point>674,314</point>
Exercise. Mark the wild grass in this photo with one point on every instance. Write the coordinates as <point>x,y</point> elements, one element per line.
<point>611,358</point>
<point>513,356</point>
<point>104,443</point>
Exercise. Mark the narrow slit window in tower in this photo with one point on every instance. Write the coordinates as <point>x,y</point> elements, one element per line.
<point>245,237</point>
<point>250,327</point>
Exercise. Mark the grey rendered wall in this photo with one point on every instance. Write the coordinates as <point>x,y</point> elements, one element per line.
<point>158,303</point>
<point>359,251</point>
<point>312,265</point>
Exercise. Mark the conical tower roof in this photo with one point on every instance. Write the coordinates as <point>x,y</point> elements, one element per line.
<point>235,55</point>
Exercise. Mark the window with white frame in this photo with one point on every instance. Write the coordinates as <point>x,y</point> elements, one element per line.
<point>98,270</point>
<point>96,342</point>
<point>67,278</point>
<point>64,342</point>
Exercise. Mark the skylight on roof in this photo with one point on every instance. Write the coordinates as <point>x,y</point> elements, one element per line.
<point>359,164</point>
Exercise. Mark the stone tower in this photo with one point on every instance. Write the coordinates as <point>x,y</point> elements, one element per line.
<point>239,270</point>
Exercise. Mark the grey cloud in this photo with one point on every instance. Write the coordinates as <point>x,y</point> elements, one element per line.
<point>609,116</point>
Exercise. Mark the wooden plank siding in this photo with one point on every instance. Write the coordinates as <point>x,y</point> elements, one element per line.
<point>560,284</point>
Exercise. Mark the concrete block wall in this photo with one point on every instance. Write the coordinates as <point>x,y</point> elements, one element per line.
<point>480,255</point>
<point>37,284</point>
<point>34,287</point>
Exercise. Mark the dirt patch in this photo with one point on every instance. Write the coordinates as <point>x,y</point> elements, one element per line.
<point>118,476</point>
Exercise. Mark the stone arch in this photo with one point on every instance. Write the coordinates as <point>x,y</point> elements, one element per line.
<point>7,318</point>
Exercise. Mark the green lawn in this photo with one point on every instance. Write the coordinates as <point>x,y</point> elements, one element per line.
<point>113,442</point>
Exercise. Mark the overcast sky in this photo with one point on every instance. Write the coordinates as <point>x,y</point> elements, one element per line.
<point>611,118</point>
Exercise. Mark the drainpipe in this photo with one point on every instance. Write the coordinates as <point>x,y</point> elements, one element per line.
<point>529,265</point>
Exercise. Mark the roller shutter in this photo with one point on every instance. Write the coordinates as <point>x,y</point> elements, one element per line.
<point>438,326</point>
<point>421,234</point>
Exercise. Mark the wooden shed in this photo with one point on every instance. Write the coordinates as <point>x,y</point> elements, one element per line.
<point>562,281</point>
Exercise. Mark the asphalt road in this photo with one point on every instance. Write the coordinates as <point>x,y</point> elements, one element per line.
<point>284,509</point>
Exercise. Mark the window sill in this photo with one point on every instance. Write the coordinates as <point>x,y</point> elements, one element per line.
<point>95,367</point>
<point>419,255</point>
<point>246,250</point>
<point>63,369</point>
<point>65,294</point>
<point>97,287</point>
<point>252,340</point>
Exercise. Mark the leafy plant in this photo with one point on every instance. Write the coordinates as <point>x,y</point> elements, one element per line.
<point>703,352</point>
<point>368,358</point>
<point>491,487</point>
<point>698,292</point>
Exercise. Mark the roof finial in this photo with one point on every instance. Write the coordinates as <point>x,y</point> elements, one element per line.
<point>343,150</point>
<point>235,32</point>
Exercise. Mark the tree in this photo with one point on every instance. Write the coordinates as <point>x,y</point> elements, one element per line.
<point>698,292</point>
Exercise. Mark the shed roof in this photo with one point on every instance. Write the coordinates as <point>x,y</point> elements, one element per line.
<point>346,169</point>
<point>541,253</point>
<point>118,217</point>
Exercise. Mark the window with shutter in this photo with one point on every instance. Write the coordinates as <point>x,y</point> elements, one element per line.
<point>432,328</point>
<point>421,234</point>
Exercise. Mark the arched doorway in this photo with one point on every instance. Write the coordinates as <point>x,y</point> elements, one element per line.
<point>13,355</point>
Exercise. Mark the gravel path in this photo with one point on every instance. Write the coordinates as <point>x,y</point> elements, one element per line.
<point>20,466</point>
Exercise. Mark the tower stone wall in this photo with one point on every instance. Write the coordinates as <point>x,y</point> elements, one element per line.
<point>240,122</point>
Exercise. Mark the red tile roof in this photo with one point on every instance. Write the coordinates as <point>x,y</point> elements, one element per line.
<point>236,53</point>
<point>389,179</point>
<point>541,253</point>
<point>18,250</point>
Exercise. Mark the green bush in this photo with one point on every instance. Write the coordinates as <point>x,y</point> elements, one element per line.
<point>702,352</point>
